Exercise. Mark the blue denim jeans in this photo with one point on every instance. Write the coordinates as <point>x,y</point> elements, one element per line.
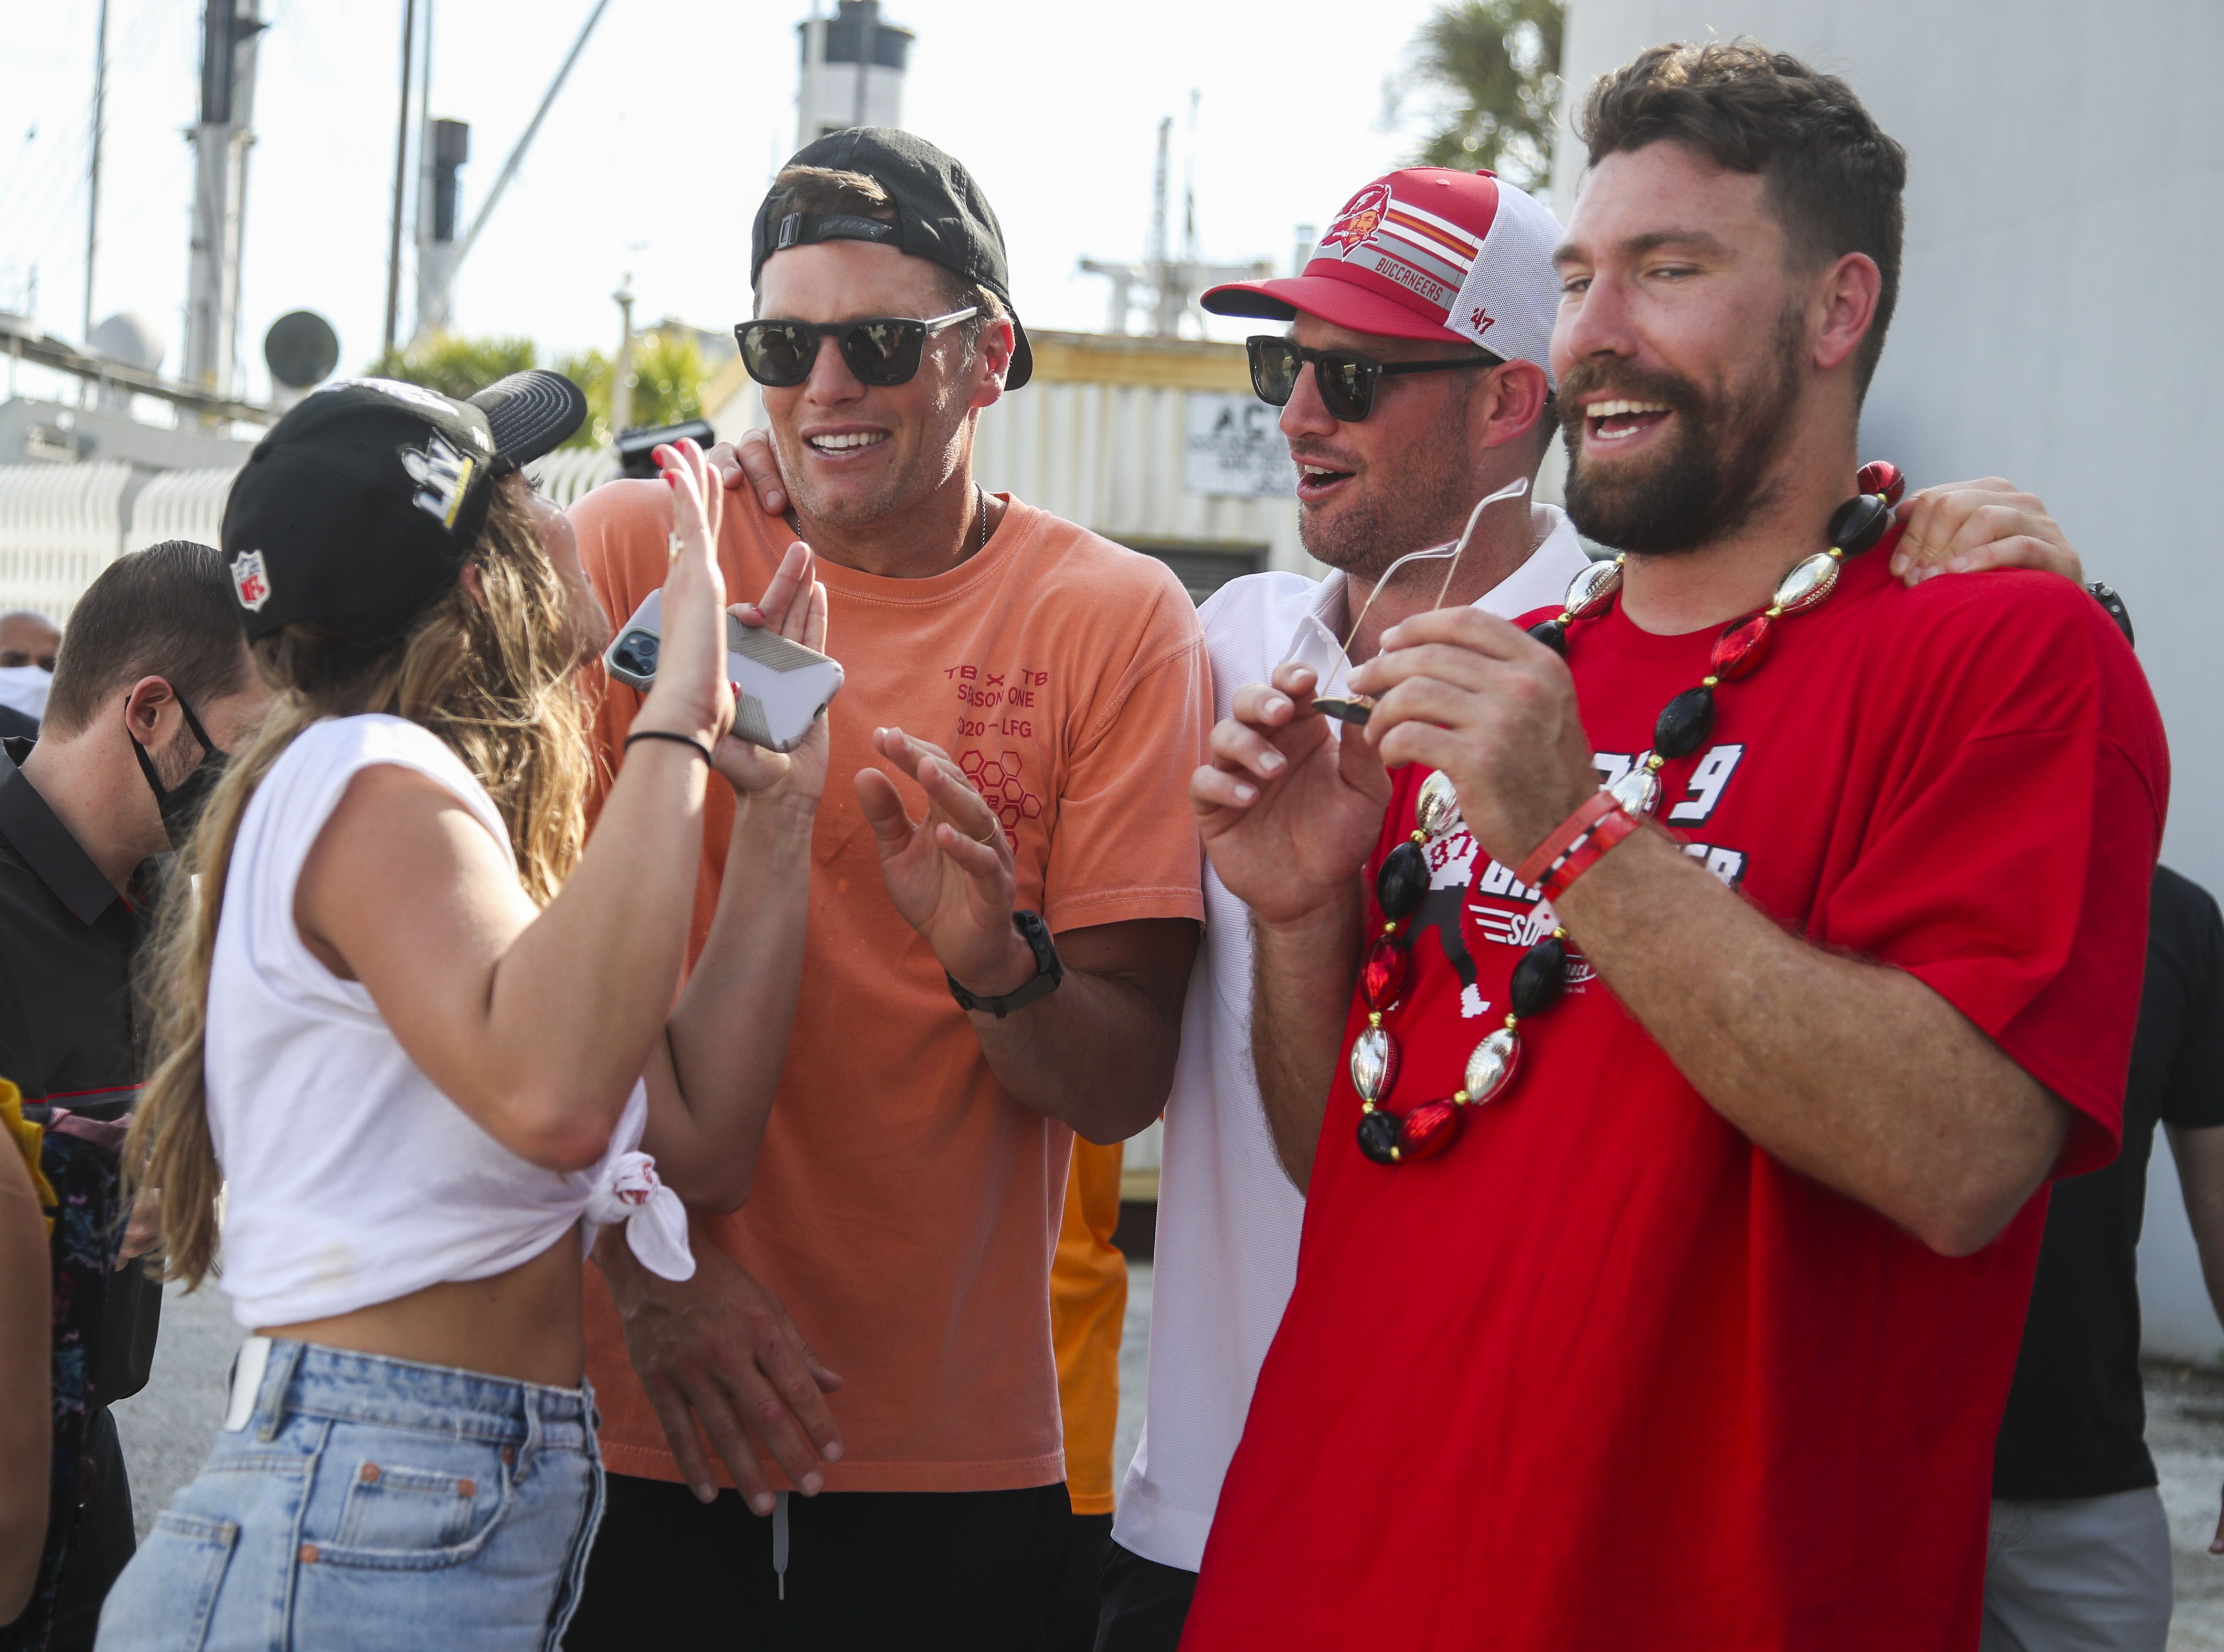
<point>371,1502</point>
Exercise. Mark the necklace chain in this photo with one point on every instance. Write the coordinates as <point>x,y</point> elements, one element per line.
<point>1541,976</point>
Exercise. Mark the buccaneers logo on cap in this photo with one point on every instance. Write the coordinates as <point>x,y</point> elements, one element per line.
<point>250,581</point>
<point>1361,216</point>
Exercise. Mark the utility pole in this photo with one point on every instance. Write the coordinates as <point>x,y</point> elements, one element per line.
<point>401,176</point>
<point>1168,282</point>
<point>221,141</point>
<point>99,118</point>
<point>621,371</point>
<point>868,26</point>
<point>508,167</point>
<point>442,148</point>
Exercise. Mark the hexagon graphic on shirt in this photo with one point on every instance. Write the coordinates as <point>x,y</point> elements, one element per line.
<point>997,780</point>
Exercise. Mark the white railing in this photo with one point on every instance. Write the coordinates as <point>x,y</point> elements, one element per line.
<point>180,504</point>
<point>59,525</point>
<point>569,472</point>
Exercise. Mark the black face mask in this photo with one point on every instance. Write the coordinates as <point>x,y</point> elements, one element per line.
<point>181,804</point>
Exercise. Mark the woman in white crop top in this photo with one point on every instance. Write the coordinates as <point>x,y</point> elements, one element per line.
<point>426,1043</point>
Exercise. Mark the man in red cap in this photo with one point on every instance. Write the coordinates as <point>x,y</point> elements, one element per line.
<point>1670,1222</point>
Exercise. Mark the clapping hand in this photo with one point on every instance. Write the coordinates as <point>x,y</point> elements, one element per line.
<point>950,874</point>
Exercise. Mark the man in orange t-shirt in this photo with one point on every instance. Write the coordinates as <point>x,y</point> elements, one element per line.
<point>1024,702</point>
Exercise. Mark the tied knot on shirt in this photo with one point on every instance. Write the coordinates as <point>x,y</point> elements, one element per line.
<point>627,1189</point>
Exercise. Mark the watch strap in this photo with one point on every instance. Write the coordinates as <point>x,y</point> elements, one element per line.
<point>1050,970</point>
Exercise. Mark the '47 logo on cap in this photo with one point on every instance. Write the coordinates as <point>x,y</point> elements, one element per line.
<point>251,582</point>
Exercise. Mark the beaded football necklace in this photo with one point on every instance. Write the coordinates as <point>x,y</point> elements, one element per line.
<point>1541,976</point>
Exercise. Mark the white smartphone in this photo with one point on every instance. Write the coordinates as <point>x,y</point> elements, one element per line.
<point>780,688</point>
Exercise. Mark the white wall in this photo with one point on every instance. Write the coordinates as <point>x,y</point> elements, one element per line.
<point>2058,325</point>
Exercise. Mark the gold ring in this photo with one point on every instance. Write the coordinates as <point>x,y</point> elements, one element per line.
<point>989,841</point>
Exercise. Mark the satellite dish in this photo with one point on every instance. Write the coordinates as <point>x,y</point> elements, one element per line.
<point>302,348</point>
<point>131,339</point>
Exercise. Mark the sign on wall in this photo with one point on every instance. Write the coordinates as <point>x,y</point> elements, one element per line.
<point>1236,449</point>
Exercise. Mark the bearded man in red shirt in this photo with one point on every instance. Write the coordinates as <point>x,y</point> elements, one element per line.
<point>1670,1299</point>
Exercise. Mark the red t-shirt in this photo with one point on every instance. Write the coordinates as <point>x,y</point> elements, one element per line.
<point>1606,1375</point>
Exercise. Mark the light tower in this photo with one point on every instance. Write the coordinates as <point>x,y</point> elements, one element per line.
<point>853,71</point>
<point>447,146</point>
<point>230,29</point>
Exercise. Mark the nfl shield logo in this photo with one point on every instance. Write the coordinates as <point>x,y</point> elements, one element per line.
<point>249,581</point>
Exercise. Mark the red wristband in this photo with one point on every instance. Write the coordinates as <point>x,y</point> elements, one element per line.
<point>1548,853</point>
<point>1585,855</point>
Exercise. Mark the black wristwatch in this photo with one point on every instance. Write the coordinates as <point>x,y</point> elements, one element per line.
<point>1049,971</point>
<point>2113,605</point>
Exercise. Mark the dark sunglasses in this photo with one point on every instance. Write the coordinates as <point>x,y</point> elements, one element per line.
<point>879,350</point>
<point>1347,381</point>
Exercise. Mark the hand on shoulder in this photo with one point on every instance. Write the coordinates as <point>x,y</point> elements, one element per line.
<point>1967,527</point>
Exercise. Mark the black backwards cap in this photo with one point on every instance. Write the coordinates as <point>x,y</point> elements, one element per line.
<point>941,215</point>
<point>357,509</point>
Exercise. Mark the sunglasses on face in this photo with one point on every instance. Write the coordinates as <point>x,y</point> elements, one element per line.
<point>879,350</point>
<point>1347,381</point>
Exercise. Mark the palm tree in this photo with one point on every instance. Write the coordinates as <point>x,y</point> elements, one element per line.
<point>1491,70</point>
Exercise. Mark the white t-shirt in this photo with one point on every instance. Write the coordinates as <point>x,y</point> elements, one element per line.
<point>351,1179</point>
<point>1227,1245</point>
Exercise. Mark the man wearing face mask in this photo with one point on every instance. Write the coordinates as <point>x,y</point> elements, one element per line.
<point>28,643</point>
<point>156,686</point>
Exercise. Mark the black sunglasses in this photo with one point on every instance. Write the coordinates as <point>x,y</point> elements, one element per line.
<point>1347,381</point>
<point>879,350</point>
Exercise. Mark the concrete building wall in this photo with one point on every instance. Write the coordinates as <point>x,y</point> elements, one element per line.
<point>2065,209</point>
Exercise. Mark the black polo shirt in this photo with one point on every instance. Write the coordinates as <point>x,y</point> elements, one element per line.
<point>69,1029</point>
<point>2076,1416</point>
<point>70,1032</point>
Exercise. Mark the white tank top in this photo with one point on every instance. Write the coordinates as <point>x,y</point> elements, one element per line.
<point>351,1179</point>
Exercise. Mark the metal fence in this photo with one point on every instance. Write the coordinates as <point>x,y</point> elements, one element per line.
<point>59,525</point>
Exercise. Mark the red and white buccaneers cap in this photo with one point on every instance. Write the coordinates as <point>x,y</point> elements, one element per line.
<point>1427,253</point>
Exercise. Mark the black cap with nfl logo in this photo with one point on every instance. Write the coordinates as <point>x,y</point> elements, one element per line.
<point>357,509</point>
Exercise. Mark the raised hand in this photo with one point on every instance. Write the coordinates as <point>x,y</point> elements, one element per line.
<point>794,607</point>
<point>1963,526</point>
<point>949,873</point>
<point>1288,810</point>
<point>691,695</point>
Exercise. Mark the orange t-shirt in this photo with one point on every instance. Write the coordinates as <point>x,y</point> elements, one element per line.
<point>905,1207</point>
<point>1088,1311</point>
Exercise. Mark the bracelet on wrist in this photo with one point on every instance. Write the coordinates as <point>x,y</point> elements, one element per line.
<point>1614,825</point>
<point>1573,846</point>
<point>688,740</point>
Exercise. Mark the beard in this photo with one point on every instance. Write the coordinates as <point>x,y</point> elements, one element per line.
<point>1706,483</point>
<point>1365,534</point>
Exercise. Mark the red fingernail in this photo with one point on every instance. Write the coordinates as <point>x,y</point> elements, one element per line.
<point>670,481</point>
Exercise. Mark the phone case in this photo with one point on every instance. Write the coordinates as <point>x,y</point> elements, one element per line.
<point>780,688</point>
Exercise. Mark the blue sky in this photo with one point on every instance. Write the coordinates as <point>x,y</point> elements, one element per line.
<point>659,149</point>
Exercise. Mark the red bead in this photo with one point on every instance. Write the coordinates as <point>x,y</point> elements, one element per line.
<point>1882,477</point>
<point>1740,650</point>
<point>1382,977</point>
<point>1427,1131</point>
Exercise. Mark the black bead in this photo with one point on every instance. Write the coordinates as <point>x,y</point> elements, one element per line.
<point>1859,523</point>
<point>1540,977</point>
<point>1552,634</point>
<point>1378,1137</point>
<point>1402,882</point>
<point>1684,722</point>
